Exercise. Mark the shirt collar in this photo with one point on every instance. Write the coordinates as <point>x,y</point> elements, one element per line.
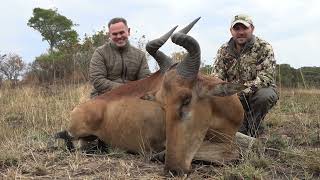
<point>232,45</point>
<point>120,49</point>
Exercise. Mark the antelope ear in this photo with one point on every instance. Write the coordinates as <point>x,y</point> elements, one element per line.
<point>226,89</point>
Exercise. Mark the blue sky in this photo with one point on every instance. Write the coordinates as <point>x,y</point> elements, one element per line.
<point>290,26</point>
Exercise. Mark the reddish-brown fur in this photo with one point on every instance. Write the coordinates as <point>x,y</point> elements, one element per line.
<point>177,109</point>
<point>124,120</point>
<point>136,88</point>
<point>206,117</point>
<point>118,116</point>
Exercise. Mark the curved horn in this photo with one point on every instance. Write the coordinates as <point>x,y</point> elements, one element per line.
<point>189,67</point>
<point>152,47</point>
<point>186,29</point>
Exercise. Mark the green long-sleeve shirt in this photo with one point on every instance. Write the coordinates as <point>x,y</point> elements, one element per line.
<point>111,66</point>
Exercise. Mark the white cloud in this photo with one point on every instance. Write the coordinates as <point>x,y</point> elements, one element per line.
<point>299,50</point>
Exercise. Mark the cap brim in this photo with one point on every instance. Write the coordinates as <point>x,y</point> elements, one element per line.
<point>241,22</point>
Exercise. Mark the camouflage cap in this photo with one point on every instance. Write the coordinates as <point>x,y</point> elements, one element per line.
<point>243,19</point>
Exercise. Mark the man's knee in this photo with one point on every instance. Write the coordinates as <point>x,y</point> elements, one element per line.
<point>266,97</point>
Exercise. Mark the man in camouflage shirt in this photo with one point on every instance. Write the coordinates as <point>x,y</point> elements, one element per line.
<point>116,62</point>
<point>248,60</point>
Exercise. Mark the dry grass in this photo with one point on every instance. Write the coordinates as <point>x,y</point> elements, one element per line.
<point>289,149</point>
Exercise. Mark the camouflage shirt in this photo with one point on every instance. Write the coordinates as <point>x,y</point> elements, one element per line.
<point>254,66</point>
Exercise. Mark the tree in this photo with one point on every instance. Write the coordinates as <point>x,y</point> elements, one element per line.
<point>11,67</point>
<point>206,69</point>
<point>47,71</point>
<point>1,76</point>
<point>303,77</point>
<point>56,29</point>
<point>286,76</point>
<point>178,56</point>
<point>83,55</point>
<point>1,79</point>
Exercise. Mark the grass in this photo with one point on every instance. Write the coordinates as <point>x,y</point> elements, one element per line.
<point>289,149</point>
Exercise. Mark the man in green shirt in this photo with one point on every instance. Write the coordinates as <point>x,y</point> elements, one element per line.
<point>248,60</point>
<point>117,61</point>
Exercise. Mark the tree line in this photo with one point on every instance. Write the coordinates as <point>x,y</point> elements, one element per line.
<point>289,77</point>
<point>67,59</point>
<point>304,77</point>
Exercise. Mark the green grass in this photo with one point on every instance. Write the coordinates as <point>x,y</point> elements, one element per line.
<point>290,147</point>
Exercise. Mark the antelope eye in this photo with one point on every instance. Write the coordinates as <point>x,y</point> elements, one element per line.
<point>186,101</point>
<point>184,109</point>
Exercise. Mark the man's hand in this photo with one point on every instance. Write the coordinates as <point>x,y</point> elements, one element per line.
<point>246,91</point>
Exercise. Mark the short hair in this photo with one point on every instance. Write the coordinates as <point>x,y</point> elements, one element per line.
<point>117,20</point>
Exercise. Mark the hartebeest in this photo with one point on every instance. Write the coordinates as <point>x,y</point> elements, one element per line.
<point>187,109</point>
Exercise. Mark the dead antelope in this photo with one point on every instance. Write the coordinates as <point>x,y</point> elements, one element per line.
<point>176,109</point>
